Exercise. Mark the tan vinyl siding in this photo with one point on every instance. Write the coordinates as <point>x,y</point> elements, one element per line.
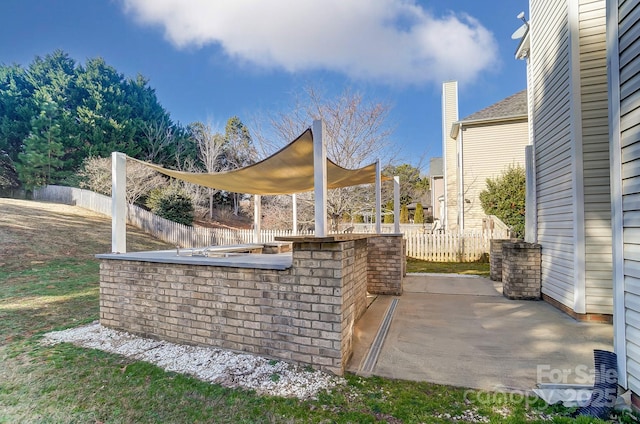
<point>450,115</point>
<point>481,161</point>
<point>629,50</point>
<point>595,154</point>
<point>551,93</point>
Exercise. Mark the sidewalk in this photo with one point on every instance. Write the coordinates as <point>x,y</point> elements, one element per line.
<point>461,331</point>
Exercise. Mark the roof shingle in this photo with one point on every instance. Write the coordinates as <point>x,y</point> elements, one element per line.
<point>512,106</point>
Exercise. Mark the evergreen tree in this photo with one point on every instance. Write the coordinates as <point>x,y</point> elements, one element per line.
<point>388,217</point>
<point>404,214</point>
<point>504,197</point>
<point>96,111</point>
<point>172,203</point>
<point>40,163</point>
<point>16,111</point>
<point>412,186</point>
<point>418,218</point>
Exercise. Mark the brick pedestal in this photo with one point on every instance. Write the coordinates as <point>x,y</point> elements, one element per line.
<point>521,272</point>
<point>495,259</point>
<point>386,264</point>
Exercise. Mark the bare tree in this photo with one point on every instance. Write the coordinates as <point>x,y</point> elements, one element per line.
<point>198,193</point>
<point>96,175</point>
<point>357,134</point>
<point>159,140</point>
<point>211,148</point>
<point>239,151</point>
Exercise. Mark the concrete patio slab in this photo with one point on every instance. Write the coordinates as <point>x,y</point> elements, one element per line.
<point>461,331</point>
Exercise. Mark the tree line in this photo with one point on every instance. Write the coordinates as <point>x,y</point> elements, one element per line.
<point>60,120</point>
<point>55,113</point>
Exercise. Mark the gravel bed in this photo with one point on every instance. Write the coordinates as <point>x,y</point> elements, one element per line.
<point>227,368</point>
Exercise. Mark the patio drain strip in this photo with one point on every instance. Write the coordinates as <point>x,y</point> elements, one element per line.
<point>370,360</point>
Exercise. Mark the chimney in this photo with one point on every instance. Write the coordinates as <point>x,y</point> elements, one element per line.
<point>449,153</point>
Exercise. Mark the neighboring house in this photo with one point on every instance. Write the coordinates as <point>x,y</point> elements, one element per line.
<point>485,143</point>
<point>436,184</point>
<point>569,211</point>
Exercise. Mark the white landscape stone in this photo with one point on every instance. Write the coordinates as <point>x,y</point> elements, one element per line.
<point>227,368</point>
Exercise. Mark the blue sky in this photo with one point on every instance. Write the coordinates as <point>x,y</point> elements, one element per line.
<point>209,60</point>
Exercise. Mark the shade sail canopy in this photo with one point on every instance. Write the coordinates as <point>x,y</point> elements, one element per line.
<point>288,171</point>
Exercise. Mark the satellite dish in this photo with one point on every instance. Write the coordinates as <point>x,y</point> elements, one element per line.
<point>520,32</point>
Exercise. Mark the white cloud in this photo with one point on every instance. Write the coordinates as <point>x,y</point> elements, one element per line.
<point>396,41</point>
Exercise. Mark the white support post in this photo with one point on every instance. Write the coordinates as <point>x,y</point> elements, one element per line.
<point>396,204</point>
<point>257,217</point>
<point>320,177</point>
<point>118,202</point>
<point>378,198</point>
<point>294,205</point>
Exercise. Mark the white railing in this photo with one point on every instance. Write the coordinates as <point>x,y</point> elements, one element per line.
<point>421,244</point>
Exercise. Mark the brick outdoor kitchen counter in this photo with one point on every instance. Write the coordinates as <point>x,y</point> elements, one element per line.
<point>299,306</point>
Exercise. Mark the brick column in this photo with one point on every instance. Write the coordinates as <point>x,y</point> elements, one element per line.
<point>387,264</point>
<point>521,270</point>
<point>336,270</point>
<point>495,259</point>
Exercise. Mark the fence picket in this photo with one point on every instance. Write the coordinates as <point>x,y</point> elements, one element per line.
<point>421,244</point>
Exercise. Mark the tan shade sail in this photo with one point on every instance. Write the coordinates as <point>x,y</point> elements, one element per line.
<point>288,171</point>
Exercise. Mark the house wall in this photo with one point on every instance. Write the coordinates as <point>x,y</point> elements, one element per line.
<point>595,151</point>
<point>624,57</point>
<point>480,144</point>
<point>571,148</point>
<point>551,127</point>
<point>449,150</point>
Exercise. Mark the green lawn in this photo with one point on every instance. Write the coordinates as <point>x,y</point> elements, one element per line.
<point>468,268</point>
<point>49,280</point>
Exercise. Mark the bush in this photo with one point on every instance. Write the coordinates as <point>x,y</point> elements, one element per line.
<point>505,198</point>
<point>404,214</point>
<point>388,217</point>
<point>418,218</point>
<point>171,203</point>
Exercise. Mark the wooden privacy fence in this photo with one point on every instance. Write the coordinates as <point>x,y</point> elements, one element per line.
<point>436,247</point>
